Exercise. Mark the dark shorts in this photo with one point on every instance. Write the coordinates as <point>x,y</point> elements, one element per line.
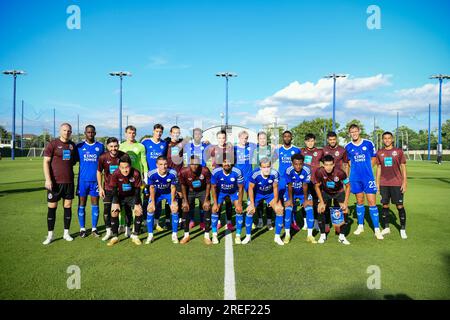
<point>192,195</point>
<point>61,191</point>
<point>312,192</point>
<point>339,197</point>
<point>393,194</point>
<point>108,196</point>
<point>129,202</point>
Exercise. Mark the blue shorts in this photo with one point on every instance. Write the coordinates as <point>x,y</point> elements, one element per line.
<point>86,188</point>
<point>221,198</point>
<point>260,197</point>
<point>299,197</point>
<point>161,197</point>
<point>368,187</point>
<point>282,186</point>
<point>247,181</point>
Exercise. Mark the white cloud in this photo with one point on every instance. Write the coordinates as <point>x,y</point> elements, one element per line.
<point>161,62</point>
<point>308,94</point>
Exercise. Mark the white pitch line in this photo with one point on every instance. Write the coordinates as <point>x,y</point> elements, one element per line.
<point>229,280</point>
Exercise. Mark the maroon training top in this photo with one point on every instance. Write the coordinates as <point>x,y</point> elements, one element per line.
<point>312,159</point>
<point>175,155</point>
<point>64,156</point>
<point>339,154</point>
<point>390,161</point>
<point>108,164</point>
<point>126,185</point>
<point>331,183</point>
<point>196,181</point>
<point>219,153</point>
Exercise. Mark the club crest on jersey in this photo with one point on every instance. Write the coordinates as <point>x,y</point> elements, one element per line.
<point>70,147</point>
<point>336,179</point>
<point>162,147</point>
<point>292,152</point>
<point>97,149</point>
<point>168,180</point>
<point>270,181</point>
<point>302,176</point>
<point>132,180</point>
<point>201,177</point>
<point>336,153</point>
<point>315,153</point>
<point>232,179</point>
<point>394,153</point>
<point>364,148</point>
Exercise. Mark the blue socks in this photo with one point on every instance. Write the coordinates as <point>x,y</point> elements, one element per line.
<point>150,221</point>
<point>287,218</point>
<point>239,223</point>
<point>360,211</point>
<point>248,224</point>
<point>374,216</point>
<point>174,222</point>
<point>81,216</point>
<point>278,224</point>
<point>214,220</point>
<point>95,213</point>
<point>309,217</point>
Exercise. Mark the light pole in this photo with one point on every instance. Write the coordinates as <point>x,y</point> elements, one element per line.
<point>226,75</point>
<point>334,76</point>
<point>21,136</point>
<point>54,123</point>
<point>396,133</point>
<point>120,74</point>
<point>439,149</point>
<point>429,133</point>
<point>14,73</point>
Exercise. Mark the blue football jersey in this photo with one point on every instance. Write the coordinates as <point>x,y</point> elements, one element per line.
<point>162,184</point>
<point>227,183</point>
<point>88,156</point>
<point>360,157</point>
<point>243,157</point>
<point>263,185</point>
<point>199,150</point>
<point>153,151</point>
<point>298,179</point>
<point>284,158</point>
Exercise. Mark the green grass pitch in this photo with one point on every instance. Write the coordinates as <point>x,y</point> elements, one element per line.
<point>416,268</point>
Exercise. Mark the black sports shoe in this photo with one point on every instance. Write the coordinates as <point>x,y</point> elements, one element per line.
<point>95,233</point>
<point>83,234</point>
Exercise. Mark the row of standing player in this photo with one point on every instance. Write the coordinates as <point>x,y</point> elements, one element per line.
<point>144,156</point>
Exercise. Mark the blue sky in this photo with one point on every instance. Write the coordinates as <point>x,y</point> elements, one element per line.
<point>280,50</point>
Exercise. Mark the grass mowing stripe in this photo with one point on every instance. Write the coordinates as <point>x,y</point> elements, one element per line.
<point>229,280</point>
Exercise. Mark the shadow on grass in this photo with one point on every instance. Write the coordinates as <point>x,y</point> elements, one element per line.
<point>196,233</point>
<point>4,192</point>
<point>359,293</point>
<point>259,232</point>
<point>445,180</point>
